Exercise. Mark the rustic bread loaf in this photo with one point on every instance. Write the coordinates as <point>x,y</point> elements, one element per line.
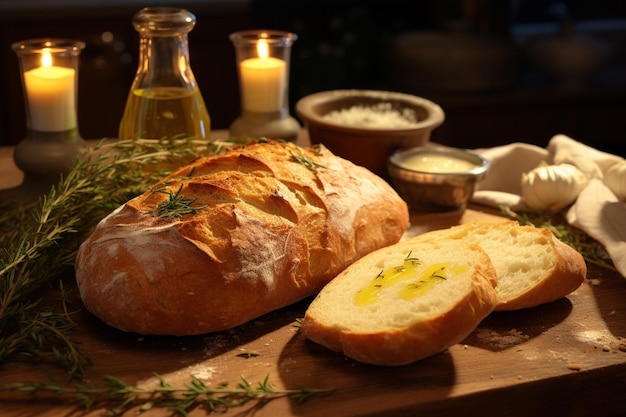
<point>532,265</point>
<point>231,237</point>
<point>404,302</point>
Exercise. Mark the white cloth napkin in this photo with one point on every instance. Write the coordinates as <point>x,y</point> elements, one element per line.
<point>596,211</point>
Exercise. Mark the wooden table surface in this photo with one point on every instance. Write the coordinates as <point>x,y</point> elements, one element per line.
<point>567,358</point>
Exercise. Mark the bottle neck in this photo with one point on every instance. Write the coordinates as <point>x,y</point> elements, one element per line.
<point>164,62</point>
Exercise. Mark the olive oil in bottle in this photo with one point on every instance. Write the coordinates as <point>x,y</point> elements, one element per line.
<point>164,100</point>
<point>161,112</point>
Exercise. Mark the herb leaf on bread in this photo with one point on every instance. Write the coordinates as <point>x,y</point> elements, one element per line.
<point>40,240</point>
<point>176,204</point>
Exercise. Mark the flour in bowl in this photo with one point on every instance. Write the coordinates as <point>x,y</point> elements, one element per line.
<point>381,115</point>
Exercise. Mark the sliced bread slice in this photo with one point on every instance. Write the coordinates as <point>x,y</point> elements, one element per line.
<point>404,302</point>
<point>532,265</point>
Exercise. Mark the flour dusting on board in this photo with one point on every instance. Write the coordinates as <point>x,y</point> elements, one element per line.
<point>502,340</point>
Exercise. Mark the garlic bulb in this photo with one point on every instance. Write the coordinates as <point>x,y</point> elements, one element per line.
<point>552,187</point>
<point>615,179</point>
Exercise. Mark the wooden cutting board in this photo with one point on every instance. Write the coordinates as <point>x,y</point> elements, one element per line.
<point>562,359</point>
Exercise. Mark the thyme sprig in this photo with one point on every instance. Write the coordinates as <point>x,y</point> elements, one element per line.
<point>592,251</point>
<point>117,396</point>
<point>40,241</point>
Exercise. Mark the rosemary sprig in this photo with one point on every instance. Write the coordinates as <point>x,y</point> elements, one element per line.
<point>40,249</point>
<point>176,204</point>
<point>49,337</point>
<point>117,396</point>
<point>306,161</point>
<point>592,251</point>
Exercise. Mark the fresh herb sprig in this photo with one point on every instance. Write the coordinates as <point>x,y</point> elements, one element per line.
<point>39,244</point>
<point>592,251</point>
<point>118,397</point>
<point>40,249</point>
<point>176,204</point>
<point>306,161</point>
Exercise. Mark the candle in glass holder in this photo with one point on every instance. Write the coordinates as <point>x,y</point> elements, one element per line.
<point>263,81</point>
<point>50,94</point>
<point>263,68</point>
<point>52,142</point>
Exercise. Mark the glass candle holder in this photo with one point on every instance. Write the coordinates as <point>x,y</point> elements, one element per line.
<point>49,73</point>
<point>263,68</point>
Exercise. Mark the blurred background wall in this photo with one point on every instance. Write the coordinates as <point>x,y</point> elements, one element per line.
<point>503,70</point>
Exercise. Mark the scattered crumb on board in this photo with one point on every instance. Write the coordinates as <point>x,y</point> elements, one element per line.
<point>502,341</point>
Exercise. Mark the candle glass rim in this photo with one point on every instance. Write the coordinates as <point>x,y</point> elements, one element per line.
<point>271,36</point>
<point>55,46</point>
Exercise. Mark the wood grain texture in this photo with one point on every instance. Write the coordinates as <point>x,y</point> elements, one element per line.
<point>565,358</point>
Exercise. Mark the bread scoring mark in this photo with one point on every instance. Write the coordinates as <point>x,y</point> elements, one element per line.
<point>116,280</point>
<point>112,250</point>
<point>145,241</point>
<point>416,278</point>
<point>335,187</point>
<point>140,232</point>
<point>263,257</point>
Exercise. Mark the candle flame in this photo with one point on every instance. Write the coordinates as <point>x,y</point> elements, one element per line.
<point>262,48</point>
<point>46,59</point>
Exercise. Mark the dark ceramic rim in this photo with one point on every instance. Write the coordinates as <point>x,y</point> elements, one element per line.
<point>305,108</point>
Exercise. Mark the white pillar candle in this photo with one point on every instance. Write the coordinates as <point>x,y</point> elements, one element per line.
<point>263,81</point>
<point>50,94</point>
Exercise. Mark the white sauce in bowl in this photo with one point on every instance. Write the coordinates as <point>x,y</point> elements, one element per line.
<point>435,163</point>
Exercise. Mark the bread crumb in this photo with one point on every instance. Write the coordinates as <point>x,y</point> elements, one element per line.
<point>574,367</point>
<point>511,338</point>
<point>204,373</point>
<point>602,340</point>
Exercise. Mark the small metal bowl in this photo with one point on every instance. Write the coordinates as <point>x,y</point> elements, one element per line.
<point>436,179</point>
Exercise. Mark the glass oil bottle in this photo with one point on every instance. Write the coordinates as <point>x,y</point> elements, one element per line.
<point>164,100</point>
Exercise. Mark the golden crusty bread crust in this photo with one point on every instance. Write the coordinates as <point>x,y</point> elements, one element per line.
<point>273,224</point>
<point>396,330</point>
